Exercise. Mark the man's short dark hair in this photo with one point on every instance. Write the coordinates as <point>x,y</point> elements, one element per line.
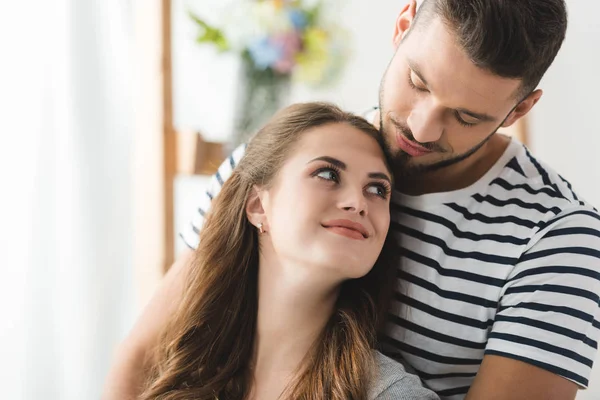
<point>510,38</point>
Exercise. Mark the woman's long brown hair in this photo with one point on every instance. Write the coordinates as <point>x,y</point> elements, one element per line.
<point>205,350</point>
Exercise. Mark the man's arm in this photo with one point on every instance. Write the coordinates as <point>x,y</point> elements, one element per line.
<point>501,378</point>
<point>128,372</point>
<point>546,330</point>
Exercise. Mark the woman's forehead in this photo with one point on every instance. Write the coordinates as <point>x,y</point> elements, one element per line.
<point>340,140</point>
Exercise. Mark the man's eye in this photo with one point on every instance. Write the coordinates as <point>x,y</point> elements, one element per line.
<point>468,122</point>
<point>412,84</point>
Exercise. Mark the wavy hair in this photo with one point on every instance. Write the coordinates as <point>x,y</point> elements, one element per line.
<point>205,349</point>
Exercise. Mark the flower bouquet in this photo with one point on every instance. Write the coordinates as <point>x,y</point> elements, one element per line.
<point>278,41</point>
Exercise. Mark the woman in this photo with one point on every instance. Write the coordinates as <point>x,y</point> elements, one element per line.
<point>288,285</point>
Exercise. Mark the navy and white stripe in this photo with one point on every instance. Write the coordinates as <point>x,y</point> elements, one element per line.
<point>191,235</point>
<point>509,266</point>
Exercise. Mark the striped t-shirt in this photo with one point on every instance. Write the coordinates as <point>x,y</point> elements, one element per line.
<point>509,266</point>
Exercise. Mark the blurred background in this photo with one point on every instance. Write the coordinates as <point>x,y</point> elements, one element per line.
<point>115,113</point>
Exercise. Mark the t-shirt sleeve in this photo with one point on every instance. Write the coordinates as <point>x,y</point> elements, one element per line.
<point>548,314</point>
<point>190,234</point>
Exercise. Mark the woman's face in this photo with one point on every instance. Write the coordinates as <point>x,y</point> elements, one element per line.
<point>328,207</point>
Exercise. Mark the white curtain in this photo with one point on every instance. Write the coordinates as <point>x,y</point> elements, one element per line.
<point>65,214</point>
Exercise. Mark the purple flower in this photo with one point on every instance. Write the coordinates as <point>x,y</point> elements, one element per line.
<point>289,45</point>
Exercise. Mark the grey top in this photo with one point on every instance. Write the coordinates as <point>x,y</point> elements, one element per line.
<point>394,383</point>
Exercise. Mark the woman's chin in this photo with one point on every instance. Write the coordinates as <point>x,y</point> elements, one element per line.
<point>347,264</point>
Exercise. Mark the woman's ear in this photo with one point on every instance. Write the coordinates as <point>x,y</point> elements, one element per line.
<point>255,210</point>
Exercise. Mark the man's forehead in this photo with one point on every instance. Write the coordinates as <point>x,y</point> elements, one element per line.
<point>450,72</point>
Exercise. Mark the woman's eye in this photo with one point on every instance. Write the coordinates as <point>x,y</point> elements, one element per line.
<point>328,175</point>
<point>377,190</point>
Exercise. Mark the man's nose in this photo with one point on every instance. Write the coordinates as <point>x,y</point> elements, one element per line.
<point>425,122</point>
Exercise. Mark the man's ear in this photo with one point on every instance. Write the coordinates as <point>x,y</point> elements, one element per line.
<point>404,21</point>
<point>255,211</point>
<point>523,108</point>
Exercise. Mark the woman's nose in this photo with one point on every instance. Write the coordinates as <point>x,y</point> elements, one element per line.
<point>353,200</point>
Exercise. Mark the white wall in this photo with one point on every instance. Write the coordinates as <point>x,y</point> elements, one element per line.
<point>372,27</point>
<point>564,125</point>
<point>204,82</point>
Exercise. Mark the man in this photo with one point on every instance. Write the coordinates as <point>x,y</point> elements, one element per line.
<point>497,296</point>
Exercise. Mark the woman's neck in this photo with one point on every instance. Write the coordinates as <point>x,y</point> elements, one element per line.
<point>294,306</point>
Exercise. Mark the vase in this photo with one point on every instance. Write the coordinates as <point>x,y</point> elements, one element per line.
<point>261,93</point>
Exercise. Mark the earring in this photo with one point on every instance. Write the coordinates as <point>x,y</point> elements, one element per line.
<point>260,228</point>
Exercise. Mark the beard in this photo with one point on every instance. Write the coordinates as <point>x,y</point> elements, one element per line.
<point>403,163</point>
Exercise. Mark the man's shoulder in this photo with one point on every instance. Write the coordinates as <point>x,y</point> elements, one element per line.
<point>544,201</point>
<point>528,179</point>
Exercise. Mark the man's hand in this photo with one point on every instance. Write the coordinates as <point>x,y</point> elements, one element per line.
<point>128,372</point>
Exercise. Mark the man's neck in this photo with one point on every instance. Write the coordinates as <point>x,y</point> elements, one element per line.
<point>457,176</point>
<point>293,309</point>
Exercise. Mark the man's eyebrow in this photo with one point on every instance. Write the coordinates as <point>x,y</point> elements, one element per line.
<point>340,164</point>
<point>480,116</point>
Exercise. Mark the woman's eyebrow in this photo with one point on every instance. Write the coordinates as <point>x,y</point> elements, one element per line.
<point>380,175</point>
<point>340,164</point>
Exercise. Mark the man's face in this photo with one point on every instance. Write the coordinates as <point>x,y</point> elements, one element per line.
<point>437,107</point>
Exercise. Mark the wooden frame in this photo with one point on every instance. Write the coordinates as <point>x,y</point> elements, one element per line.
<point>169,136</point>
<point>154,147</point>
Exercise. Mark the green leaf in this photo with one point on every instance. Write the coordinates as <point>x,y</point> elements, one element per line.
<point>312,15</point>
<point>210,34</point>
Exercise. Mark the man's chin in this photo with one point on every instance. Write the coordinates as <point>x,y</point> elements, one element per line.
<point>410,170</point>
<point>406,166</point>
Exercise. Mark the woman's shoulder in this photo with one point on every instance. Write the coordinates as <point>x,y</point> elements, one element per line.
<point>392,381</point>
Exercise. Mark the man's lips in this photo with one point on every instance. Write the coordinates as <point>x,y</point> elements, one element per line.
<point>347,228</point>
<point>409,147</point>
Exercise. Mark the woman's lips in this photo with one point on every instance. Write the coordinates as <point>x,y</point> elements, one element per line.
<point>347,228</point>
<point>349,233</point>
